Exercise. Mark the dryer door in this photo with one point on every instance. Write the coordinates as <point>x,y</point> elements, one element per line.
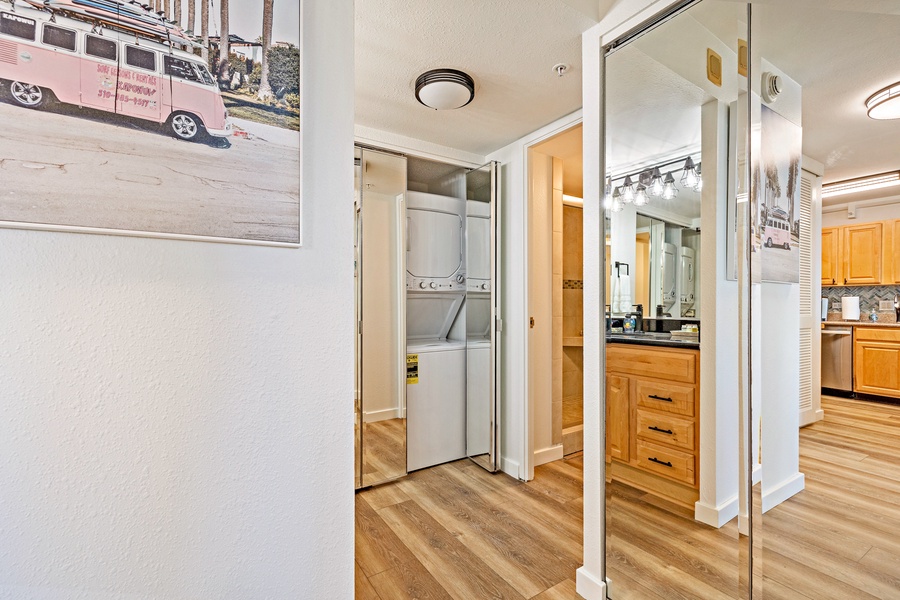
<point>435,240</point>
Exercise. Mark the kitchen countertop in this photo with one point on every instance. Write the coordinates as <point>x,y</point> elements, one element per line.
<point>651,339</point>
<point>859,324</point>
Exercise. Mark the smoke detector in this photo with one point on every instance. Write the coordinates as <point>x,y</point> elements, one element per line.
<point>771,87</point>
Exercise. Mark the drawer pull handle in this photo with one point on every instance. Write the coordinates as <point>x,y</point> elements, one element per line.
<point>660,462</point>
<point>655,397</point>
<point>665,431</point>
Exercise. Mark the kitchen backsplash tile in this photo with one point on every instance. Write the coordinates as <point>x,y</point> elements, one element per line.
<point>868,295</point>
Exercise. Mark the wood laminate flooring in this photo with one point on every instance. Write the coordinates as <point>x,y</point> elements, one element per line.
<point>457,532</point>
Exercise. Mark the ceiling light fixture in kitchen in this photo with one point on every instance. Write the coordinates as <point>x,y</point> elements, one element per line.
<point>861,184</point>
<point>885,103</point>
<point>445,89</point>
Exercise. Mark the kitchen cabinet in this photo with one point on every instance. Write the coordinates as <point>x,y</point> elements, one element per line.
<point>831,255</point>
<point>876,359</point>
<point>895,251</point>
<point>652,426</point>
<point>861,253</point>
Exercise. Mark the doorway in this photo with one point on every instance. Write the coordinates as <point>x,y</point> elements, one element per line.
<point>556,295</point>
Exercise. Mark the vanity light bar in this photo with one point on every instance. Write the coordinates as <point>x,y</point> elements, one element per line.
<point>861,184</point>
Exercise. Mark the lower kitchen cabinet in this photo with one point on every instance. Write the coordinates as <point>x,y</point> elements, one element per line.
<point>652,427</point>
<point>876,358</point>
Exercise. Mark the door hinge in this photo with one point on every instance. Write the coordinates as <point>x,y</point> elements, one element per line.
<point>499,324</point>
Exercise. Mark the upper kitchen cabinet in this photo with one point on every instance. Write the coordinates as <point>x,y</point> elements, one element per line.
<point>894,250</point>
<point>831,255</point>
<point>861,250</point>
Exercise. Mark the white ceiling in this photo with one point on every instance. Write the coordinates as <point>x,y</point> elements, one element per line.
<point>509,47</point>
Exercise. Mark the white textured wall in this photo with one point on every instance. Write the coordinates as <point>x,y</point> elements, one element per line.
<point>176,417</point>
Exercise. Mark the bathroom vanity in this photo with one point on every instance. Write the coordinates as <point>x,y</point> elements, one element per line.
<point>653,416</point>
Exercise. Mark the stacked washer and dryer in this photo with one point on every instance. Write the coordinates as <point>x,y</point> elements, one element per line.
<point>448,312</point>
<point>435,294</point>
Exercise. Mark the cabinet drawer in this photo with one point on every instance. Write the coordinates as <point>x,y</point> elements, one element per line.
<point>875,334</point>
<point>671,463</point>
<point>669,397</point>
<point>666,429</point>
<point>673,364</point>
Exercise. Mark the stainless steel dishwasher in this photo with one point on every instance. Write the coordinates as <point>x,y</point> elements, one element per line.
<point>837,358</point>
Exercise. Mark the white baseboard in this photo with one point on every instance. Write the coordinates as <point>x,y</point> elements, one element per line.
<point>382,415</point>
<point>510,467</point>
<point>588,586</point>
<point>757,473</point>
<point>716,516</point>
<point>548,455</point>
<point>808,417</point>
<point>777,495</point>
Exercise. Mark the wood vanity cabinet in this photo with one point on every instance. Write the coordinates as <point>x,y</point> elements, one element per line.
<point>831,256</point>
<point>653,419</point>
<point>876,360</point>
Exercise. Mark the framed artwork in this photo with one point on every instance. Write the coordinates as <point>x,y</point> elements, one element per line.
<point>165,118</point>
<point>776,214</point>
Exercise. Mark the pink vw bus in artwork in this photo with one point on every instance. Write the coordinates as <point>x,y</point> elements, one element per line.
<point>75,63</point>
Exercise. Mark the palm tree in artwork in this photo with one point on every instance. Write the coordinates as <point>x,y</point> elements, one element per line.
<point>204,28</point>
<point>176,12</point>
<point>265,89</point>
<point>224,48</point>
<point>192,16</point>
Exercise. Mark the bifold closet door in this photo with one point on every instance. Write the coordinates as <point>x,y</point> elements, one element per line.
<point>482,314</point>
<point>381,313</point>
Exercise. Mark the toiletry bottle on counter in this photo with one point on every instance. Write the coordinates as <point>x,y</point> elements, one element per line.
<point>873,316</point>
<point>628,324</point>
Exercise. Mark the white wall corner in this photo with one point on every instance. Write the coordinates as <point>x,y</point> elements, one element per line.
<point>787,488</point>
<point>406,145</point>
<point>589,586</point>
<point>716,516</point>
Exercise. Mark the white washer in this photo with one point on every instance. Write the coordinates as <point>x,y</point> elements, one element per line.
<point>436,404</point>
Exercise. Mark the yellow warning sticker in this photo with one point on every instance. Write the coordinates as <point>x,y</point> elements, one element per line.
<point>412,369</point>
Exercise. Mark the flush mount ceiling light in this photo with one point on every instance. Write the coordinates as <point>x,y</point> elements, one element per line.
<point>861,184</point>
<point>445,89</point>
<point>885,103</point>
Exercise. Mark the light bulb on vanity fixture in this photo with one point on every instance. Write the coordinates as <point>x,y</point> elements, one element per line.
<point>669,190</point>
<point>640,196</point>
<point>689,176</point>
<point>628,190</point>
<point>656,183</point>
<point>607,195</point>
<point>617,204</point>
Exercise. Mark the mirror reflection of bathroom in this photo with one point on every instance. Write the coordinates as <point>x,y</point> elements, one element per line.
<point>671,424</point>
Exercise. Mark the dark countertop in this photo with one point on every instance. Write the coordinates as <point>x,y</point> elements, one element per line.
<point>860,323</point>
<point>663,340</point>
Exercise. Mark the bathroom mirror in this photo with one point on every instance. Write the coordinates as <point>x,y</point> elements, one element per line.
<point>673,453</point>
<point>666,278</point>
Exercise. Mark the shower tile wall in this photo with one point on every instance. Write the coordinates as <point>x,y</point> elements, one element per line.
<point>573,317</point>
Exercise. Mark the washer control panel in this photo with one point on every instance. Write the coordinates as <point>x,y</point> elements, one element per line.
<point>438,284</point>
